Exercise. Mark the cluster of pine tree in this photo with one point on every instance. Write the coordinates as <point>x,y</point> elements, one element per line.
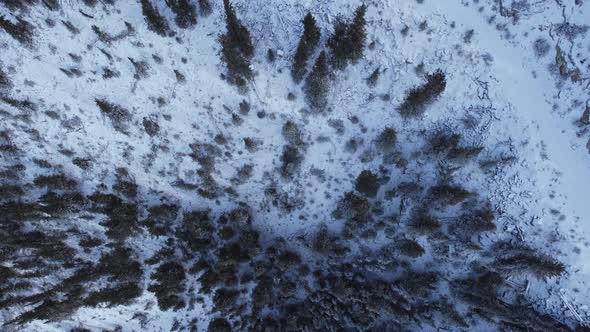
<point>347,43</point>
<point>317,83</point>
<point>307,44</point>
<point>236,48</point>
<point>186,13</point>
<point>155,21</point>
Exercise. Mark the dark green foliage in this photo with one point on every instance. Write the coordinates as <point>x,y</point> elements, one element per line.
<point>224,299</point>
<point>236,31</point>
<point>118,115</point>
<point>477,221</point>
<point>205,7</point>
<point>52,4</point>
<point>90,3</point>
<point>22,104</point>
<point>236,48</point>
<point>357,34</point>
<point>18,4</point>
<point>155,21</point>
<point>339,45</point>
<point>55,182</point>
<point>161,218</point>
<point>219,325</point>
<point>291,160</point>
<point>410,248</point>
<point>347,43</point>
<point>387,139</point>
<point>168,286</point>
<point>151,126</point>
<point>352,207</point>
<point>293,134</point>
<point>186,13</point>
<point>197,231</point>
<point>121,294</point>
<point>367,183</point>
<point>418,98</point>
<point>5,82</point>
<point>317,84</point>
<point>424,223</point>
<point>307,44</point>
<point>121,273</point>
<point>449,194</point>
<point>520,258</point>
<point>443,141</point>
<point>60,204</point>
<point>270,55</point>
<point>481,293</point>
<point>21,30</point>
<point>418,284</point>
<point>122,219</point>
<point>125,184</point>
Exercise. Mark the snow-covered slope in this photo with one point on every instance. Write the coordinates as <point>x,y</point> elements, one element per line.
<point>180,208</point>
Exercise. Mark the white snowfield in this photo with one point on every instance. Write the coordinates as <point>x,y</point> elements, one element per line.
<point>530,112</point>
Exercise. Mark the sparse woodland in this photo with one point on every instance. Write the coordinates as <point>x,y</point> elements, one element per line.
<point>198,175</point>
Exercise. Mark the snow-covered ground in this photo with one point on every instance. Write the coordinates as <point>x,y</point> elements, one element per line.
<point>501,95</point>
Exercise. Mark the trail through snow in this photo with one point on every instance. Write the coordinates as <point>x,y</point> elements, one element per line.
<point>527,95</point>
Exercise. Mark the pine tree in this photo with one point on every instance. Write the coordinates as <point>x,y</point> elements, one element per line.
<point>339,45</point>
<point>357,34</point>
<point>156,22</point>
<point>238,34</point>
<point>317,84</point>
<point>347,43</point>
<point>21,31</point>
<point>307,44</point>
<point>236,48</point>
<point>205,7</point>
<point>418,98</point>
<point>186,13</point>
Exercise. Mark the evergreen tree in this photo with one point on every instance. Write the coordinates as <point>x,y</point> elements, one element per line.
<point>21,31</point>
<point>237,33</point>
<point>156,22</point>
<point>347,43</point>
<point>236,48</point>
<point>307,44</point>
<point>339,45</point>
<point>186,13</point>
<point>357,34</point>
<point>317,84</point>
<point>418,98</point>
<point>205,7</point>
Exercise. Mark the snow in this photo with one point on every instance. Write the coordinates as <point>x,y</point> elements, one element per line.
<point>519,117</point>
